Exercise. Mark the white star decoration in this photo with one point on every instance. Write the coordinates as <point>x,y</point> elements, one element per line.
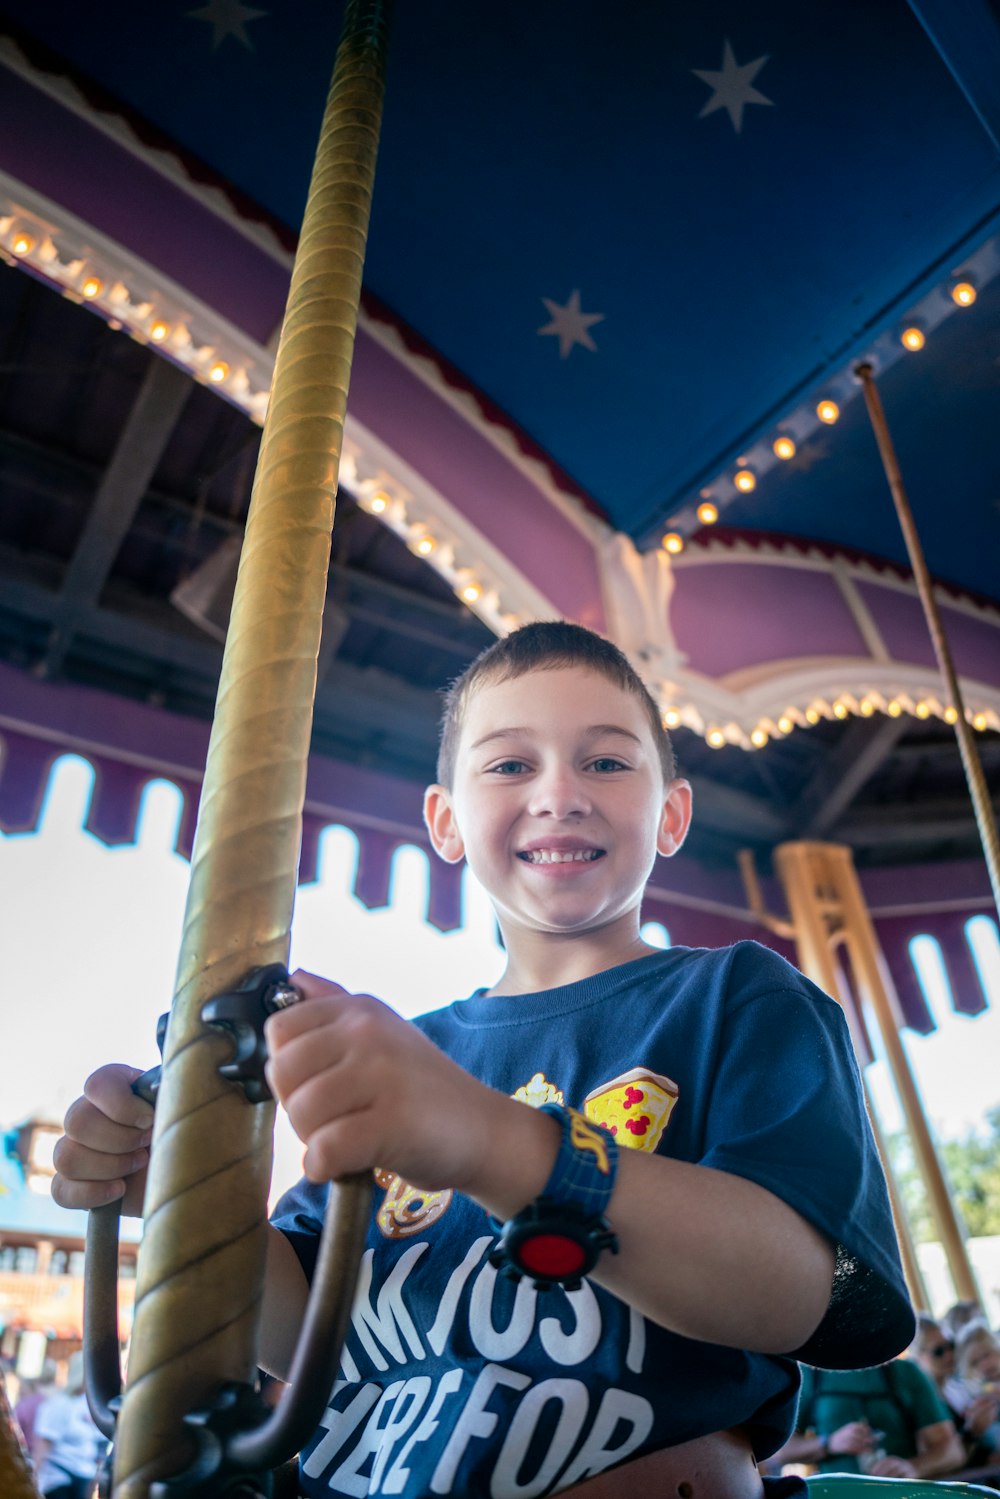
<point>732,86</point>
<point>227,18</point>
<point>570,325</point>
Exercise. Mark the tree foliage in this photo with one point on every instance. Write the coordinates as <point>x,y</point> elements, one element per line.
<point>972,1167</point>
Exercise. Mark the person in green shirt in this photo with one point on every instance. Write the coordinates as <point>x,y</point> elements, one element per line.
<point>888,1421</point>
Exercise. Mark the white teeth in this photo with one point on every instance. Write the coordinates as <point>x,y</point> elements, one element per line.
<point>554,856</point>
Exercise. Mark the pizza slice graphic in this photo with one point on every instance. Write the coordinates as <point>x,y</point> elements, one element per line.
<point>634,1107</point>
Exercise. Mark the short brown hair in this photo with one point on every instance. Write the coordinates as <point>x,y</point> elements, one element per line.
<point>544,647</point>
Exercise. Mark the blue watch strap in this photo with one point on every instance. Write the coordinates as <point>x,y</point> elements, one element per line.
<point>586,1166</point>
<point>558,1238</point>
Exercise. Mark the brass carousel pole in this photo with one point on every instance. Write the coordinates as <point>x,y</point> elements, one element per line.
<point>202,1262</point>
<point>971,762</point>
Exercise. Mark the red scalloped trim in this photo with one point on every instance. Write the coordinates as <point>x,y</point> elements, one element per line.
<point>452,376</point>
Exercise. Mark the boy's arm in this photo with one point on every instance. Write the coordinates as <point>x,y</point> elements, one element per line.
<point>707,1254</point>
<point>710,1255</point>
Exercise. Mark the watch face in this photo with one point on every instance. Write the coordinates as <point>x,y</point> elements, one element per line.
<point>553,1244</point>
<point>553,1256</point>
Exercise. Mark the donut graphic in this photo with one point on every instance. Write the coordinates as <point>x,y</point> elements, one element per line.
<point>407,1210</point>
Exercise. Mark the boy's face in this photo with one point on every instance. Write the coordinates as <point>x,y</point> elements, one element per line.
<point>558,802</point>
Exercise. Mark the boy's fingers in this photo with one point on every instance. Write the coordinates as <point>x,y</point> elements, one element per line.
<point>312,986</point>
<point>78,1163</point>
<point>85,1194</point>
<point>87,1125</point>
<point>110,1091</point>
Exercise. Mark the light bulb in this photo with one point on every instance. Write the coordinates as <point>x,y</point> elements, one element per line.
<point>745,480</point>
<point>785,724</point>
<point>913,339</point>
<point>923,709</point>
<point>218,372</point>
<point>840,710</point>
<point>379,502</point>
<point>951,714</point>
<point>783,447</point>
<point>158,331</point>
<point>708,513</point>
<point>828,411</point>
<point>963,294</point>
<point>22,244</point>
<point>979,721</point>
<point>867,707</point>
<point>894,709</point>
<point>716,738</point>
<point>671,718</point>
<point>92,287</point>
<point>471,593</point>
<point>812,715</point>
<point>759,737</point>
<point>673,542</point>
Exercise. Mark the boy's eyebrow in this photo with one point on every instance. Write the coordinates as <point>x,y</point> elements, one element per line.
<point>595,731</point>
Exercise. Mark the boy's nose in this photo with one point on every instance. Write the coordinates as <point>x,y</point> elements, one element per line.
<point>559,793</point>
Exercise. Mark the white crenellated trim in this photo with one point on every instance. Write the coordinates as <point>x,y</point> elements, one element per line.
<point>169,165</point>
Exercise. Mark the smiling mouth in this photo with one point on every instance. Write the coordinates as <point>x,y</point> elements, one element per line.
<point>557,856</point>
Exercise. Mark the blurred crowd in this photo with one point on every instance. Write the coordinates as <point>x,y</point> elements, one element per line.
<point>934,1413</point>
<point>64,1446</point>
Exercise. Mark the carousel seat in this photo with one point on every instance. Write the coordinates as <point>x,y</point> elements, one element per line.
<point>863,1486</point>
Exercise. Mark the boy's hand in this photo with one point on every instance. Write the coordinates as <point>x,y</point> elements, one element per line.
<point>363,1088</point>
<point>105,1151</point>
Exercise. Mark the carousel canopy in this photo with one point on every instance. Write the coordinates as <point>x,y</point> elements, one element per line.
<point>622,267</point>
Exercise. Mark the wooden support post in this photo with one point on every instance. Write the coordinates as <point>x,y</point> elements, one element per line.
<point>828,912</point>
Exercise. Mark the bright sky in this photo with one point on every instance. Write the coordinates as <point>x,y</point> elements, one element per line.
<point>91,939</point>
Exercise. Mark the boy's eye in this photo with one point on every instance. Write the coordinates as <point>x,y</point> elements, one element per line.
<point>508,768</point>
<point>605,764</point>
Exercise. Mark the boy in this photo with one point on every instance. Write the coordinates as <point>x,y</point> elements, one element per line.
<point>718,1184</point>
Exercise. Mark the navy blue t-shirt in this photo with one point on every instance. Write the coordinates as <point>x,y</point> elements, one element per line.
<point>456,1380</point>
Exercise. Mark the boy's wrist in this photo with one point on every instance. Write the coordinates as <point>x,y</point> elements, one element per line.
<point>522,1150</point>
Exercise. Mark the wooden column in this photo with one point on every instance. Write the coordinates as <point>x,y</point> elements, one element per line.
<point>828,913</point>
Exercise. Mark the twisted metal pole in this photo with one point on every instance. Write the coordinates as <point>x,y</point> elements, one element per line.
<point>971,763</point>
<point>201,1267</point>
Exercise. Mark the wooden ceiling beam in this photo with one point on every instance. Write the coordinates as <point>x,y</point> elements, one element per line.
<point>837,778</point>
<point>140,446</point>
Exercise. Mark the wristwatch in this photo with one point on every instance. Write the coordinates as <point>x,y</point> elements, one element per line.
<point>558,1238</point>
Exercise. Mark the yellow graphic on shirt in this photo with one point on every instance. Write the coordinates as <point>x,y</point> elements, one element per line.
<point>538,1090</point>
<point>407,1210</point>
<point>634,1107</point>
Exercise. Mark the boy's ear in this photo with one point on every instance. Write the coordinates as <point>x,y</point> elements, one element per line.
<point>676,818</point>
<point>439,820</point>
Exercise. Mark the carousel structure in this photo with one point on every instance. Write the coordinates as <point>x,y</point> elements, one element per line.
<point>677,322</point>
